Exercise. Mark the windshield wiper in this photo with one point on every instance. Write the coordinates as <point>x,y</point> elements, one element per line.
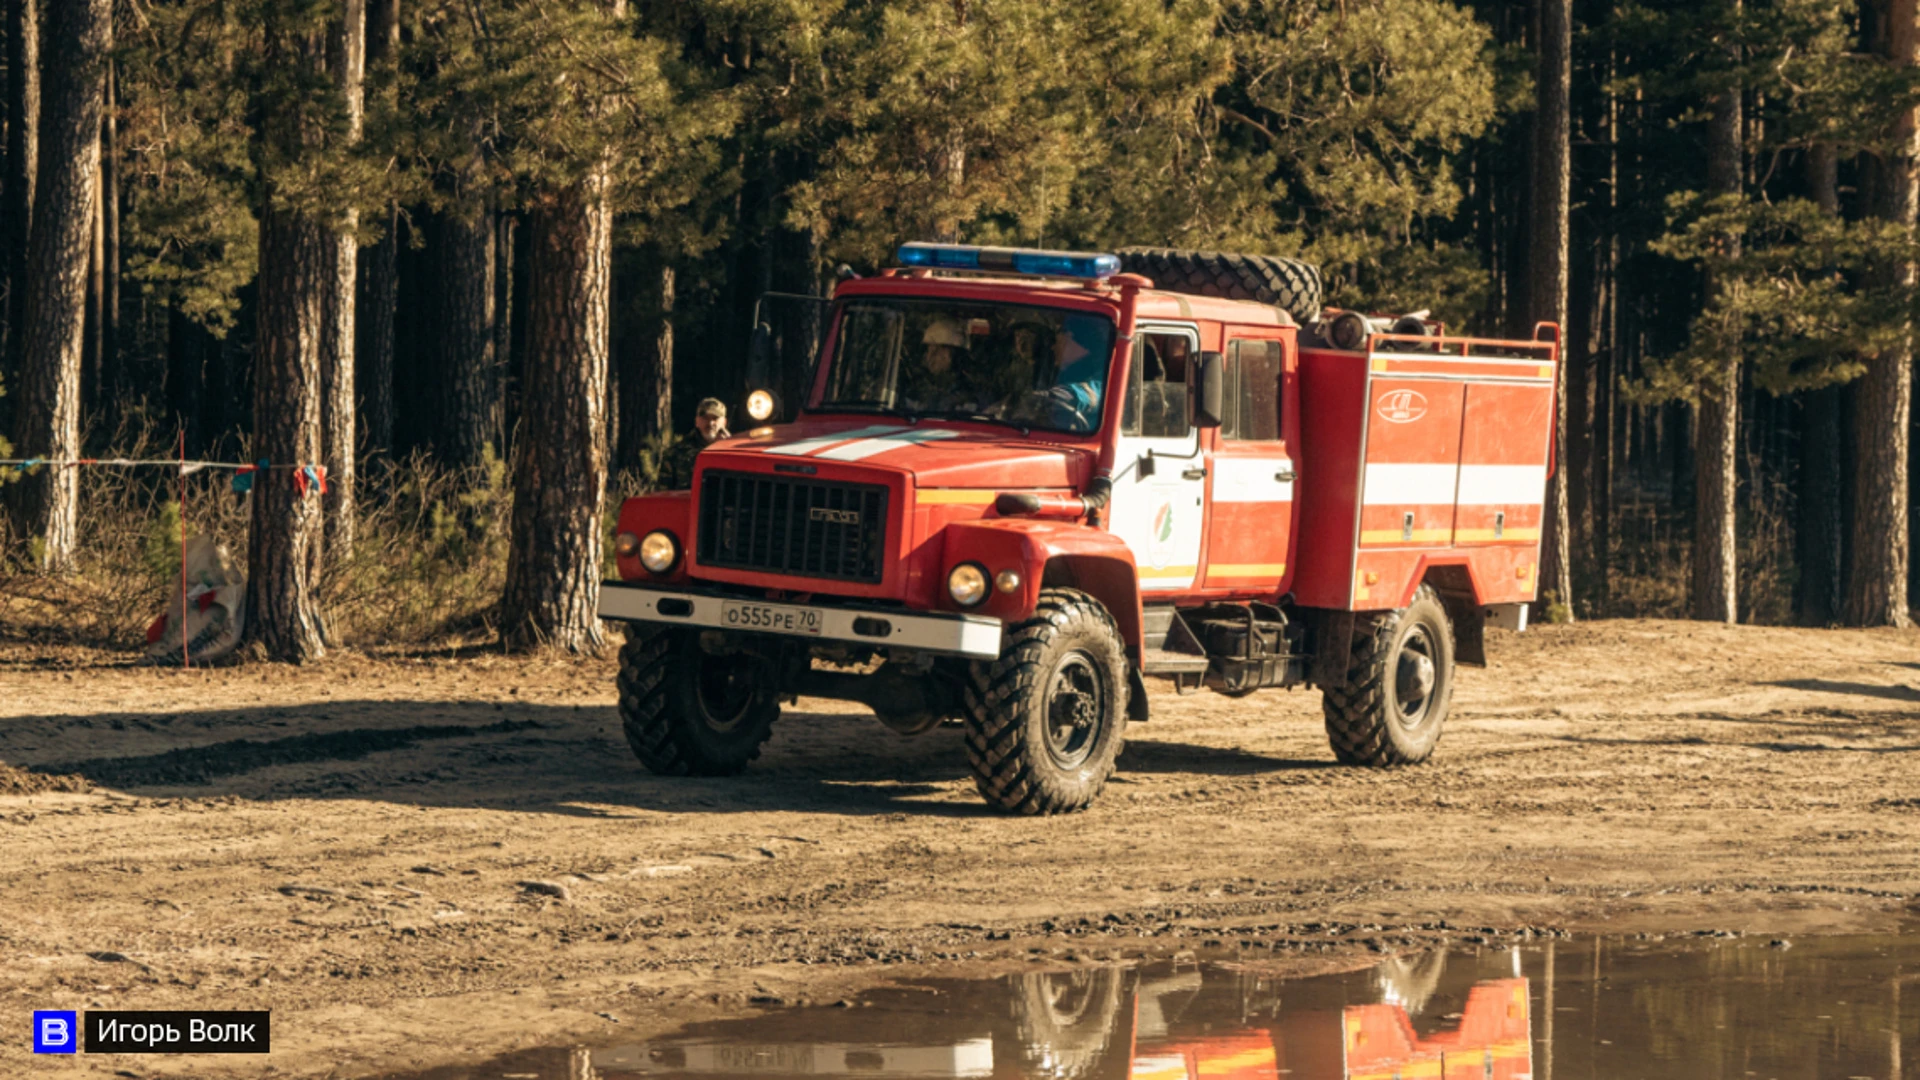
<point>1025,429</point>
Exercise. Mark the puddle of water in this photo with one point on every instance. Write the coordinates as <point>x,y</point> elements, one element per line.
<point>1582,1010</point>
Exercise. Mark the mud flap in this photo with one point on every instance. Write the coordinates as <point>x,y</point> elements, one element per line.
<point>1331,651</point>
<point>1469,621</point>
<point>1136,694</point>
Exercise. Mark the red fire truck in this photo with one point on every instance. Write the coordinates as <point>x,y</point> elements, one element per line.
<point>1022,482</point>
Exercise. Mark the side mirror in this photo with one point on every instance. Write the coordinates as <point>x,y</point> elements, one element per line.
<point>1210,399</point>
<point>760,355</point>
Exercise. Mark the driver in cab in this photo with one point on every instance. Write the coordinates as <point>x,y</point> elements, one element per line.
<point>940,383</point>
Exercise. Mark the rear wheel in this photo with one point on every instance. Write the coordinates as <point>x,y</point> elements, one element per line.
<point>1399,687</point>
<point>1044,721</point>
<point>688,712</point>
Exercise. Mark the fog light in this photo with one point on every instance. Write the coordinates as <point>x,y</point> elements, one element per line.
<point>1007,581</point>
<point>659,551</point>
<point>625,544</point>
<point>760,404</point>
<point>967,584</point>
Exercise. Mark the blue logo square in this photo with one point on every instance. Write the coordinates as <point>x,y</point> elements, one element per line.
<point>56,1031</point>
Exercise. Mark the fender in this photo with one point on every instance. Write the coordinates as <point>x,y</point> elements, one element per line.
<point>1457,579</point>
<point>1051,553</point>
<point>669,510</point>
<point>1448,572</point>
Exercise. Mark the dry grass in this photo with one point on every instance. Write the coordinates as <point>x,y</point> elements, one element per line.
<point>426,570</point>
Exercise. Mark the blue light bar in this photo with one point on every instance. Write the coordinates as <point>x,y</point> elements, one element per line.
<point>1016,260</point>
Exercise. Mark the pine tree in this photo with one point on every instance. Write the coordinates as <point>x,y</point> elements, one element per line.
<point>23,131</point>
<point>1877,585</point>
<point>1550,265</point>
<point>379,267</point>
<point>79,35</point>
<point>588,114</point>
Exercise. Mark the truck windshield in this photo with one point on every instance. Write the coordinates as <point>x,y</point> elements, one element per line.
<point>1027,366</point>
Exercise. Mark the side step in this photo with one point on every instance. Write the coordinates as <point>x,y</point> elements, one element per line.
<point>1162,662</point>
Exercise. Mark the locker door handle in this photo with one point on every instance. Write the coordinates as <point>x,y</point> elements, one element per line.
<point>1285,476</point>
<point>1194,474</point>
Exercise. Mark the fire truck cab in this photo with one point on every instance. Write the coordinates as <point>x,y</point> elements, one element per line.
<point>1022,482</point>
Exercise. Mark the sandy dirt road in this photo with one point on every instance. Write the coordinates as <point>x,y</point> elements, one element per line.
<point>425,861</point>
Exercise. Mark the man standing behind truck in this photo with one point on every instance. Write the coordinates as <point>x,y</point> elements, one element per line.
<point>709,426</point>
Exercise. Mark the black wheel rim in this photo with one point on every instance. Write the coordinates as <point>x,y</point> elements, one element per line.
<point>1416,673</point>
<point>1076,709</point>
<point>725,687</point>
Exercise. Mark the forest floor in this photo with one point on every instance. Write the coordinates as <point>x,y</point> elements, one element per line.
<point>351,845</point>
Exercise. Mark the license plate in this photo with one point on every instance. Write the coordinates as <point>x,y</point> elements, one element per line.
<point>770,617</point>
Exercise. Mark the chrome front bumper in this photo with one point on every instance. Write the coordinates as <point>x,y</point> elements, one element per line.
<point>974,636</point>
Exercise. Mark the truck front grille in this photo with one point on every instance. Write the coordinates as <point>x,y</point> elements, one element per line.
<point>808,528</point>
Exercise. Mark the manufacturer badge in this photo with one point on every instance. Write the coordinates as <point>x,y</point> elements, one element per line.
<point>835,517</point>
<point>1401,406</point>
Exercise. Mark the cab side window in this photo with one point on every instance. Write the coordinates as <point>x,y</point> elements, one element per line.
<point>1156,402</point>
<point>1253,392</point>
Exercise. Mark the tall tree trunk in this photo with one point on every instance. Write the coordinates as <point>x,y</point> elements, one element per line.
<point>374,337</point>
<point>560,473</point>
<point>379,272</point>
<point>1877,582</point>
<point>1716,595</point>
<point>505,226</point>
<point>113,384</point>
<point>660,419</point>
<point>339,412</point>
<point>1549,267</point>
<point>79,36</point>
<point>23,139</point>
<point>295,263</point>
<point>464,258</point>
<point>1819,530</point>
<point>646,373</point>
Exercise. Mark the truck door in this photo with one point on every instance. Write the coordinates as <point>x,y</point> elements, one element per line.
<point>1253,472</point>
<point>1160,472</point>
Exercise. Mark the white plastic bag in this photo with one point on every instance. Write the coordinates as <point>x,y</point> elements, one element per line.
<point>216,599</point>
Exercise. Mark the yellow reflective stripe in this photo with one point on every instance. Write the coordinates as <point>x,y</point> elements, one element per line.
<point>956,496</point>
<point>1399,536</point>
<point>1470,536</point>
<point>1265,569</point>
<point>1168,572</point>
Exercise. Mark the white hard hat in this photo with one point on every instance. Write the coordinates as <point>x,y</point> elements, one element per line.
<point>944,332</point>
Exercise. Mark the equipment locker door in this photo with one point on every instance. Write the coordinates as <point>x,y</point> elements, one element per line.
<point>1160,471</point>
<point>1253,472</point>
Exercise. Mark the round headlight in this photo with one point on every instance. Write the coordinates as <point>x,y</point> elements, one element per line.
<point>1007,581</point>
<point>967,584</point>
<point>625,544</point>
<point>760,404</point>
<point>658,551</point>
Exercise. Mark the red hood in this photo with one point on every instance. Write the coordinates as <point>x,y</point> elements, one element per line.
<point>934,454</point>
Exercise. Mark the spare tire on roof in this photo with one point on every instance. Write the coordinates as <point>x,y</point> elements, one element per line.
<point>1288,284</point>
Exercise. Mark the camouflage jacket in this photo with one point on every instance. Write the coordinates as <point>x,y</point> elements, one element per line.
<point>676,468</point>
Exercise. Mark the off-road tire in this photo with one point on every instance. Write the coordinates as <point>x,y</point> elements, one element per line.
<point>1070,637</point>
<point>1288,284</point>
<point>665,721</point>
<point>1366,723</point>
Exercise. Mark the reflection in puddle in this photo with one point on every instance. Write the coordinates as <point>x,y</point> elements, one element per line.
<point>1593,1010</point>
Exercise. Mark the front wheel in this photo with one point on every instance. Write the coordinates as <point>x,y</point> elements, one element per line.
<point>688,712</point>
<point>1044,721</point>
<point>1399,687</point>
